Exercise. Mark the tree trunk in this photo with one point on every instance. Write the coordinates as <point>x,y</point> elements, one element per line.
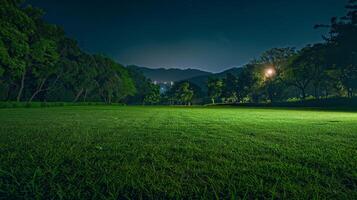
<point>8,92</point>
<point>350,93</point>
<point>303,93</point>
<point>39,89</point>
<point>271,98</point>
<point>316,91</point>
<point>85,95</point>
<point>78,95</point>
<point>109,99</point>
<point>19,94</point>
<point>213,101</point>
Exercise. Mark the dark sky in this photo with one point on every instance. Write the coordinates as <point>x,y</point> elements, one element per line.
<point>206,34</point>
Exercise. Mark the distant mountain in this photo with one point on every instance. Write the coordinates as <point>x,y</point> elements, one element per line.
<point>201,81</point>
<point>235,71</point>
<point>168,75</point>
<point>194,76</point>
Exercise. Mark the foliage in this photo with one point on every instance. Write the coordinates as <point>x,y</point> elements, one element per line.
<point>51,104</point>
<point>326,69</point>
<point>153,97</point>
<point>215,87</point>
<point>146,91</point>
<point>229,92</point>
<point>38,62</point>
<point>343,48</point>
<point>183,93</point>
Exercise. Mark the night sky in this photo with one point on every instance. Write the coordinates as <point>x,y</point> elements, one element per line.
<point>203,34</point>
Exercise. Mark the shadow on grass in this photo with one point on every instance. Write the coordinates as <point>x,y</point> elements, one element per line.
<point>331,105</point>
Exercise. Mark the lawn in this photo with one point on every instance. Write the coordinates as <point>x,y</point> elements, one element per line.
<point>111,152</point>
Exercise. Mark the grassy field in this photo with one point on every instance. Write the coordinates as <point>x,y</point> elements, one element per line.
<point>111,152</point>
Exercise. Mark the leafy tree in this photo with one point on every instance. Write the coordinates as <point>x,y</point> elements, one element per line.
<point>301,70</point>
<point>215,87</point>
<point>230,88</point>
<point>146,91</point>
<point>44,58</point>
<point>342,48</point>
<point>153,97</point>
<point>113,81</point>
<point>184,93</point>
<point>247,82</point>
<point>180,90</point>
<point>37,61</point>
<point>16,27</point>
<point>77,71</point>
<point>321,79</point>
<point>275,60</point>
<point>84,81</point>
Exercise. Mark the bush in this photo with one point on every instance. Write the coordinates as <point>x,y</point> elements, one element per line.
<point>50,104</point>
<point>310,102</point>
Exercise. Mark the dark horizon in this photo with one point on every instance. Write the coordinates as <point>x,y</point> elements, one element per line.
<point>206,35</point>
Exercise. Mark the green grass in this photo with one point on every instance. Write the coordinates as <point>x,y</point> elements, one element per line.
<point>104,152</point>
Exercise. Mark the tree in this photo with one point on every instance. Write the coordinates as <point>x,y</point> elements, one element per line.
<point>145,89</point>
<point>37,60</point>
<point>215,87</point>
<point>184,93</point>
<point>230,88</point>
<point>153,97</point>
<point>301,70</point>
<point>342,48</point>
<point>275,60</point>
<point>16,27</point>
<point>44,58</point>
<point>113,81</point>
<point>247,80</point>
<point>321,79</point>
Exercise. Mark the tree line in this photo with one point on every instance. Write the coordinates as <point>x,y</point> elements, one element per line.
<point>38,62</point>
<point>322,70</point>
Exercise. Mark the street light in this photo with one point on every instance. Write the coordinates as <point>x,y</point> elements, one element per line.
<point>270,72</point>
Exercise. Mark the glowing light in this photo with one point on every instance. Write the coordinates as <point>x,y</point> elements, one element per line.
<point>270,72</point>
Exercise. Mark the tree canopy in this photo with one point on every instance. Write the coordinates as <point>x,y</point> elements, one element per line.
<point>39,62</point>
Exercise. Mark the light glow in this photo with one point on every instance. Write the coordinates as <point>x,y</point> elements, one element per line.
<point>270,72</point>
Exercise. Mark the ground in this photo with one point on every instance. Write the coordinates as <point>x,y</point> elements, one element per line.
<point>110,152</point>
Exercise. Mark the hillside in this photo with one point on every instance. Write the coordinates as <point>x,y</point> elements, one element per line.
<point>201,81</point>
<point>167,75</point>
<point>195,76</point>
